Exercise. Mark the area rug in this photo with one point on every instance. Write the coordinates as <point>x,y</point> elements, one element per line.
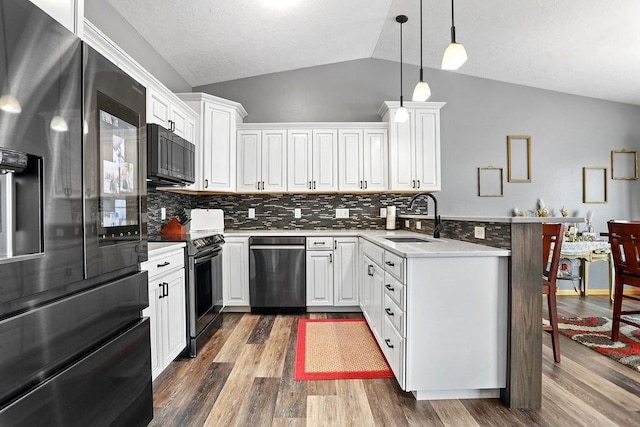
<point>595,333</point>
<point>330,349</point>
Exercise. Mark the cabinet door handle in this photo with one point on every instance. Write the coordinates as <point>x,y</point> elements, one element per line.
<point>262,185</point>
<point>166,289</point>
<point>206,183</point>
<point>164,264</point>
<point>335,245</point>
<point>391,288</point>
<point>314,185</point>
<point>370,270</point>
<point>413,184</point>
<point>361,187</point>
<point>388,311</point>
<point>309,185</point>
<point>258,185</point>
<point>161,285</point>
<point>390,264</point>
<point>418,183</point>
<point>330,258</point>
<point>365,185</point>
<point>388,343</point>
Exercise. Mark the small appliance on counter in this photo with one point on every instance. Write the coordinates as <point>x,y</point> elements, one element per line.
<point>391,217</point>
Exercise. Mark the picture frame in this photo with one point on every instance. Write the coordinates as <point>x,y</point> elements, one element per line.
<point>519,158</point>
<point>624,164</point>
<point>594,184</point>
<point>490,182</point>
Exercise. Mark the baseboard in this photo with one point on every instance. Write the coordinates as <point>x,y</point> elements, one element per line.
<point>571,292</point>
<point>343,309</point>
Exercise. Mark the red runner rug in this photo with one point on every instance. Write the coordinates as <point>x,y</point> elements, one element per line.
<point>595,333</point>
<point>332,349</point>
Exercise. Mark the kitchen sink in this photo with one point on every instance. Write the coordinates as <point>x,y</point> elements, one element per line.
<point>407,240</point>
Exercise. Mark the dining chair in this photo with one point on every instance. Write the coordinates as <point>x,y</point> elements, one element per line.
<point>624,237</point>
<point>551,246</point>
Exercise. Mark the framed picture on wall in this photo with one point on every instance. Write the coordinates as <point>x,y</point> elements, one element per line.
<point>490,182</point>
<point>518,158</point>
<point>594,184</point>
<point>624,164</point>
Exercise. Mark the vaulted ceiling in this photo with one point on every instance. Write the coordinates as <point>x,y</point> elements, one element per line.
<point>586,47</point>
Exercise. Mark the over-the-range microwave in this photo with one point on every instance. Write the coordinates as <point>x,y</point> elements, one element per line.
<point>170,158</point>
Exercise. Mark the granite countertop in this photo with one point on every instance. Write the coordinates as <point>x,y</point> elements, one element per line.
<point>428,248</point>
<point>505,219</point>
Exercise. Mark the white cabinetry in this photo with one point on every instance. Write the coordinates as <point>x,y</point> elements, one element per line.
<point>69,13</point>
<point>168,111</point>
<point>235,272</point>
<point>216,142</point>
<point>414,146</point>
<point>313,160</point>
<point>332,271</point>
<point>167,306</point>
<point>362,159</point>
<point>262,160</point>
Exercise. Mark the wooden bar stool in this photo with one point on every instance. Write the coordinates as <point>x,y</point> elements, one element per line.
<point>624,237</point>
<point>552,235</point>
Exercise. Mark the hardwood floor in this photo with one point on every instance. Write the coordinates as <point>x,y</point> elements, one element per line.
<point>244,377</point>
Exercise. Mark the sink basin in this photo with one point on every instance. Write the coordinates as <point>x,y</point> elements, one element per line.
<point>407,240</point>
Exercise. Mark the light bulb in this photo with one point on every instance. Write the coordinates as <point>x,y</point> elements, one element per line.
<point>9,104</point>
<point>402,115</point>
<point>422,92</point>
<point>454,56</point>
<point>59,124</point>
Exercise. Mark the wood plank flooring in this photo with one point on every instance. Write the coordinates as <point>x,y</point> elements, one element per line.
<point>244,377</point>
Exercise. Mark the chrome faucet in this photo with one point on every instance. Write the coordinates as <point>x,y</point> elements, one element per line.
<point>437,228</point>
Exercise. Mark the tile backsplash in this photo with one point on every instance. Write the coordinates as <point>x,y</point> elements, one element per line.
<point>276,211</point>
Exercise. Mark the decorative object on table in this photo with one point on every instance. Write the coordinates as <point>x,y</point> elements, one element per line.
<point>594,332</point>
<point>588,233</point>
<point>391,218</point>
<point>490,182</point>
<point>564,212</point>
<point>518,158</point>
<point>331,349</point>
<point>624,164</point>
<point>542,209</point>
<point>518,212</point>
<point>594,184</point>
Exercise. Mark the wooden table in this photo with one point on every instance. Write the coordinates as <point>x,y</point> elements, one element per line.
<point>587,252</point>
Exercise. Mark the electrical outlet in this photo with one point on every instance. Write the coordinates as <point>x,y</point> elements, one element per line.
<point>163,213</point>
<point>383,212</point>
<point>418,225</point>
<point>252,213</point>
<point>342,213</point>
<point>407,223</point>
<point>297,213</point>
<point>478,232</point>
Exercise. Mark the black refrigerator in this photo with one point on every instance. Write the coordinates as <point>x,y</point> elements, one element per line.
<point>74,349</point>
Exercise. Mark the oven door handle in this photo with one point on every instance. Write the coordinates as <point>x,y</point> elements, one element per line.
<point>208,256</point>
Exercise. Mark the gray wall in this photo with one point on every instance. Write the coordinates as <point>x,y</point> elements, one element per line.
<point>110,22</point>
<point>568,131</point>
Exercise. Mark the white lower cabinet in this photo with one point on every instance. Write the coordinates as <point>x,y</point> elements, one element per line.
<point>332,272</point>
<point>167,308</point>
<point>235,272</point>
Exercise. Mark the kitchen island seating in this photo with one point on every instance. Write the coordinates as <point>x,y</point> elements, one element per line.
<point>624,237</point>
<point>551,246</point>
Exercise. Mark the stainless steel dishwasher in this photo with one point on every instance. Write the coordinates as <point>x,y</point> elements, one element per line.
<point>277,274</point>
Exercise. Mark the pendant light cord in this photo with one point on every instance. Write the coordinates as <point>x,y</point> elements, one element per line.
<point>401,104</point>
<point>453,25</point>
<point>421,71</point>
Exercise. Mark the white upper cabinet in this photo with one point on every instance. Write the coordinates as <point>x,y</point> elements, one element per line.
<point>414,146</point>
<point>262,160</point>
<point>69,13</point>
<point>312,160</point>
<point>362,159</point>
<point>168,111</point>
<point>215,140</point>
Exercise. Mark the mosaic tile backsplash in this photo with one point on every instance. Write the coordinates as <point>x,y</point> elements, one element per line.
<point>276,211</point>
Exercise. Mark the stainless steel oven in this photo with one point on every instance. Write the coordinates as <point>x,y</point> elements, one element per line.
<point>205,289</point>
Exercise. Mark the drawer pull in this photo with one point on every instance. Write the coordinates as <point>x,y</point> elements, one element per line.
<point>164,264</point>
<point>388,343</point>
<point>390,264</point>
<point>389,312</point>
<point>370,270</point>
<point>391,288</point>
<point>318,243</point>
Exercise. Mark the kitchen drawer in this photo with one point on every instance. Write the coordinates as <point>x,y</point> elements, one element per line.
<point>165,263</point>
<point>376,253</point>
<point>393,346</point>
<point>395,315</point>
<point>320,243</point>
<point>395,290</point>
<point>394,264</point>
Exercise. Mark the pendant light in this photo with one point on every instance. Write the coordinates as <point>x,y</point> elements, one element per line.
<point>454,55</point>
<point>402,115</point>
<point>8,102</point>
<point>422,91</point>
